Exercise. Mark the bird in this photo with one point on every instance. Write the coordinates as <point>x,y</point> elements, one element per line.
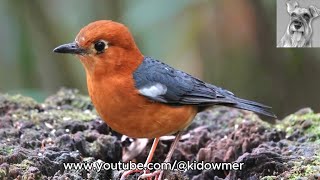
<point>140,96</point>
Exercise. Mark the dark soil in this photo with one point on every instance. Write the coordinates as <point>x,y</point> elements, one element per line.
<point>37,138</point>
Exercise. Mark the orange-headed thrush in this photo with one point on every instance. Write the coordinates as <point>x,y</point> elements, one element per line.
<point>140,96</point>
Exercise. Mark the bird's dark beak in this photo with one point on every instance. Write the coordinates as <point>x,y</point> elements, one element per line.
<point>71,48</point>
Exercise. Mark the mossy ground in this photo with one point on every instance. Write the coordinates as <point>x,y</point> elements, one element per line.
<point>37,138</point>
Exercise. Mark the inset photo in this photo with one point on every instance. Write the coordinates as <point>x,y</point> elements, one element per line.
<point>298,23</point>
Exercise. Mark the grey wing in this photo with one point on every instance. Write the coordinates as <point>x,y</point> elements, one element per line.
<point>162,83</point>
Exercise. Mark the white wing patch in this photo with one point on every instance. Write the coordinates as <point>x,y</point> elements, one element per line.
<point>153,90</point>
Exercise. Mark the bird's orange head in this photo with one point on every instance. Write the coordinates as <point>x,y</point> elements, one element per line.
<point>104,47</point>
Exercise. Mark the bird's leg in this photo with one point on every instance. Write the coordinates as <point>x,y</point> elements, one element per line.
<point>152,150</point>
<point>172,148</point>
<point>151,153</point>
<point>159,173</point>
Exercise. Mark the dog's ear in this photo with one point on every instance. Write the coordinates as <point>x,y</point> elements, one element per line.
<point>291,6</point>
<point>314,11</point>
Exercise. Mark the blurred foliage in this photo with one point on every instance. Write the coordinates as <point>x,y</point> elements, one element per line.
<point>228,43</point>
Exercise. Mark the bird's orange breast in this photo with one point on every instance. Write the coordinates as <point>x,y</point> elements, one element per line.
<point>127,112</point>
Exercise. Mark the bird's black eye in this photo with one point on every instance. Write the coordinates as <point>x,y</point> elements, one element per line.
<point>99,46</point>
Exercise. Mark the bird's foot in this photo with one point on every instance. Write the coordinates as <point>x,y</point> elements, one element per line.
<point>147,175</point>
<point>125,174</point>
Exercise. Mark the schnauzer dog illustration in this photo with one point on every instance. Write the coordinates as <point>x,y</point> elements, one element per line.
<point>299,29</point>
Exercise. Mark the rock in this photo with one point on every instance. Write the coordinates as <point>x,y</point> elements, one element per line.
<point>37,138</point>
<point>306,124</point>
<point>303,111</point>
<point>258,164</point>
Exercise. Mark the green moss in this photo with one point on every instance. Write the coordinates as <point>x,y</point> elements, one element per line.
<point>252,117</point>
<point>69,97</point>
<point>315,128</point>
<point>21,100</point>
<point>302,167</point>
<point>71,114</point>
<point>295,121</point>
<point>22,115</point>
<point>305,168</point>
<point>256,118</point>
<point>55,114</point>
<point>5,150</point>
<point>24,165</point>
<point>303,171</point>
<point>3,173</point>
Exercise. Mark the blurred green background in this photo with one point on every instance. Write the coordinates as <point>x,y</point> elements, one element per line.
<point>228,43</point>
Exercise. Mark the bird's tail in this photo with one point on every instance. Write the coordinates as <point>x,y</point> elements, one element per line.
<point>243,103</point>
<point>252,106</point>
